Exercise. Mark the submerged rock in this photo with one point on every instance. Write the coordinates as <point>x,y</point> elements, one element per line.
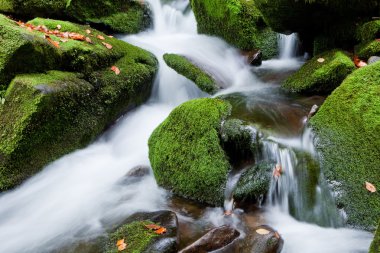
<point>185,67</point>
<point>186,154</point>
<point>215,239</point>
<point>138,238</point>
<point>48,114</point>
<point>266,240</point>
<point>238,22</point>
<point>321,75</point>
<point>118,15</point>
<point>348,126</point>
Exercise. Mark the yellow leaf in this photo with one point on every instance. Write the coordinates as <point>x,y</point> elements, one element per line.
<point>262,231</point>
<point>321,60</point>
<point>120,242</point>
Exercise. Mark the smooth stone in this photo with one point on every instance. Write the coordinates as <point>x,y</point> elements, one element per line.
<point>373,59</point>
<point>270,242</point>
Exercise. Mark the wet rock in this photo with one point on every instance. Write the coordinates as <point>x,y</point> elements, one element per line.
<point>266,240</point>
<point>140,239</point>
<point>215,239</point>
<point>254,58</point>
<point>373,59</point>
<point>139,171</point>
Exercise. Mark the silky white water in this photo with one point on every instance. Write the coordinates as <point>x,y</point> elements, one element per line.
<point>80,195</point>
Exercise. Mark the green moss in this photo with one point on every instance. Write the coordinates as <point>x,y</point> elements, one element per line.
<point>348,124</point>
<point>369,31</point>
<point>136,236</point>
<point>254,183</point>
<point>368,49</point>
<point>188,69</point>
<point>238,22</point>
<point>186,154</point>
<point>375,246</point>
<point>321,77</point>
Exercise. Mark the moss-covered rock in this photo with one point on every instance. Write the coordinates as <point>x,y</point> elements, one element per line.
<point>322,74</point>
<point>368,49</point>
<point>348,125</point>
<point>186,154</point>
<point>369,31</point>
<point>48,114</point>
<point>118,16</point>
<point>375,246</point>
<point>185,67</point>
<point>254,183</point>
<point>238,22</point>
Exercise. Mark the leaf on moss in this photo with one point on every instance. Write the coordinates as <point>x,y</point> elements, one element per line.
<point>160,231</point>
<point>54,43</point>
<point>321,60</point>
<point>370,187</point>
<point>116,70</point>
<point>109,46</point>
<point>89,40</point>
<point>100,37</point>
<point>88,31</point>
<point>121,245</point>
<point>59,27</point>
<point>152,226</point>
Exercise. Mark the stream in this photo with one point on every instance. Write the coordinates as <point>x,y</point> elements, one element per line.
<point>75,199</point>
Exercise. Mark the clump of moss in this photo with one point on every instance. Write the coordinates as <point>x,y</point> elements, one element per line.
<point>254,183</point>
<point>322,74</point>
<point>368,49</point>
<point>238,22</point>
<point>369,31</point>
<point>347,125</point>
<point>188,69</point>
<point>375,246</point>
<point>186,154</point>
<point>136,236</point>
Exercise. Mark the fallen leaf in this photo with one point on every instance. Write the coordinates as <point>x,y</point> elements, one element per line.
<point>361,64</point>
<point>321,60</point>
<point>119,242</point>
<point>122,247</point>
<point>370,187</point>
<point>63,40</point>
<point>109,46</point>
<point>262,231</point>
<point>88,31</point>
<point>152,226</point>
<point>89,40</point>
<point>59,27</point>
<point>160,231</point>
<point>54,43</point>
<point>110,36</point>
<point>100,37</point>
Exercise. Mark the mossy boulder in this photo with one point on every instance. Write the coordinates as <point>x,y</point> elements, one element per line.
<point>118,16</point>
<point>367,49</point>
<point>188,69</point>
<point>239,22</point>
<point>186,154</point>
<point>140,239</point>
<point>369,31</point>
<point>254,183</point>
<point>375,245</point>
<point>321,75</point>
<point>51,113</point>
<point>348,126</point>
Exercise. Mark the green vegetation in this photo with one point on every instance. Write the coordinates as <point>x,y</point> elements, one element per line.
<point>185,67</point>
<point>136,236</point>
<point>238,22</point>
<point>322,74</point>
<point>348,124</point>
<point>375,246</point>
<point>118,16</point>
<point>368,49</point>
<point>51,113</point>
<point>369,31</point>
<point>186,154</point>
<point>254,183</point>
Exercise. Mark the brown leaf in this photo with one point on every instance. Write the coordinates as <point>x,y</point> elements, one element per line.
<point>262,231</point>
<point>59,27</point>
<point>88,31</point>
<point>100,37</point>
<point>152,226</point>
<point>54,43</point>
<point>89,40</point>
<point>370,187</point>
<point>122,247</point>
<point>160,231</point>
<point>109,46</point>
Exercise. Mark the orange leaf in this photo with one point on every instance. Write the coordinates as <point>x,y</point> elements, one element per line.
<point>152,226</point>
<point>370,187</point>
<point>107,45</point>
<point>54,43</point>
<point>120,242</point>
<point>122,247</point>
<point>100,37</point>
<point>160,231</point>
<point>88,40</point>
<point>116,70</point>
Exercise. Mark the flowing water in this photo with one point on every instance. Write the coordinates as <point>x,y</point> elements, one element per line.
<point>79,196</point>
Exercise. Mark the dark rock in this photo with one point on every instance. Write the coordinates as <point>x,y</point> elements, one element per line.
<point>373,59</point>
<point>266,240</point>
<point>215,239</point>
<point>139,171</point>
<point>254,58</point>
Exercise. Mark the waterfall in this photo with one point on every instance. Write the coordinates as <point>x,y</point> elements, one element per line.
<point>288,45</point>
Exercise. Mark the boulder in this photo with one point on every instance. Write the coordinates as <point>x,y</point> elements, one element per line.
<point>188,69</point>
<point>375,245</point>
<point>320,75</point>
<point>369,31</point>
<point>185,151</point>
<point>215,239</point>
<point>51,112</point>
<point>238,22</point>
<point>347,126</point>
<point>254,57</point>
<point>367,49</point>
<point>138,238</point>
<point>254,183</point>
<point>373,59</point>
<point>139,171</point>
<point>266,240</point>
<point>118,16</point>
